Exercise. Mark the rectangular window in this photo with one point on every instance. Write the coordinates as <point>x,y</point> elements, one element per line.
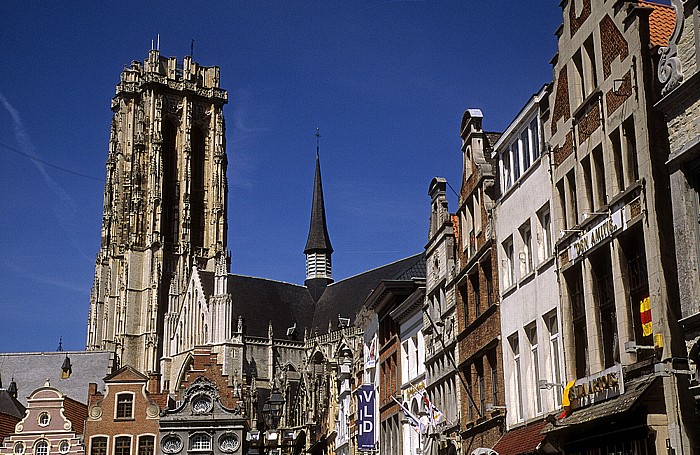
<point>477,212</point>
<point>605,297</point>
<point>515,349</point>
<point>618,174</point>
<point>482,389</point>
<point>578,78</point>
<point>493,366</point>
<point>505,170</point>
<point>488,280</point>
<point>587,184</point>
<point>508,264</point>
<point>122,445</point>
<point>462,289</point>
<point>146,445</point>
<point>476,298</point>
<point>553,328</point>
<point>125,405</point>
<point>561,193</point>
<point>638,284</point>
<point>574,282</point>
<point>590,74</point>
<point>525,147</point>
<point>535,139</point>
<point>630,150</point>
<point>571,201</point>
<point>531,332</point>
<point>470,407</point>
<point>98,446</point>
<point>545,237</point>
<point>601,194</point>
<point>515,156</point>
<point>526,252</point>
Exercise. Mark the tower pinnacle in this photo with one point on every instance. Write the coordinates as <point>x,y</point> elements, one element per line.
<point>318,248</point>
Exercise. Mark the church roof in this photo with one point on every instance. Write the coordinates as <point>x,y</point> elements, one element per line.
<point>346,297</point>
<point>318,231</point>
<point>259,300</point>
<point>30,371</point>
<point>10,405</point>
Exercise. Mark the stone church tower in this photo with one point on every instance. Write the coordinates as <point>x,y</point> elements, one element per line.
<point>165,203</point>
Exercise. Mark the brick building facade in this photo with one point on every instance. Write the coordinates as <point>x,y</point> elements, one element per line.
<point>478,318</point>
<point>124,419</point>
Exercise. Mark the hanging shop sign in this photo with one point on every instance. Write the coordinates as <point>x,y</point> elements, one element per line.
<point>596,234</point>
<point>595,388</point>
<point>365,417</point>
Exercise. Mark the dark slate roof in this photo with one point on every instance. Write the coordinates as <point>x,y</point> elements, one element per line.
<point>493,137</point>
<point>260,300</point>
<point>30,371</point>
<point>10,405</point>
<point>318,231</point>
<point>346,297</point>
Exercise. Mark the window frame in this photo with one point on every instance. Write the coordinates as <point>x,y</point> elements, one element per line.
<point>118,407</point>
<point>117,450</point>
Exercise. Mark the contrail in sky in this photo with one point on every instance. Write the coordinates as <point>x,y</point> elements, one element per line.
<point>64,208</point>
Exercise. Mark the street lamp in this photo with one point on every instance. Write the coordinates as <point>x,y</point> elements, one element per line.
<point>272,409</point>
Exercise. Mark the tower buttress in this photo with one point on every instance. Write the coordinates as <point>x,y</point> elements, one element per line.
<point>165,203</point>
<point>318,248</point>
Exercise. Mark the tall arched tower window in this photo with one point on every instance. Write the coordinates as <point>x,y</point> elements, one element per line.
<point>171,185</point>
<point>197,167</point>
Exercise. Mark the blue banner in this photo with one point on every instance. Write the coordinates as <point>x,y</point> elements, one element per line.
<point>365,418</point>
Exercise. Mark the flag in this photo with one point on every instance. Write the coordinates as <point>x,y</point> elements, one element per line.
<point>645,316</point>
<point>412,419</point>
<point>435,415</point>
<point>371,354</point>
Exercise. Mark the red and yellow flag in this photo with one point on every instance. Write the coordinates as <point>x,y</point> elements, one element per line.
<point>645,316</point>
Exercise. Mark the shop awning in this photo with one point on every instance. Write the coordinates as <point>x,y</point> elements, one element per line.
<point>521,440</point>
<point>634,390</point>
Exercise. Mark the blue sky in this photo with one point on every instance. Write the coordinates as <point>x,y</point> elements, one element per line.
<point>386,81</point>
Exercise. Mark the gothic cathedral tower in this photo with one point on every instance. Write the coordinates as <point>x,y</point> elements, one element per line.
<point>164,203</point>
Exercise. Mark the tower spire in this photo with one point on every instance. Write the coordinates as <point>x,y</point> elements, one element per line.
<point>318,248</point>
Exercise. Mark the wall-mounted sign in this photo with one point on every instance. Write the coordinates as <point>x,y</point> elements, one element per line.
<point>365,417</point>
<point>597,387</point>
<point>596,234</point>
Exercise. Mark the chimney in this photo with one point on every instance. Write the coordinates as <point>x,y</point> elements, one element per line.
<point>153,383</point>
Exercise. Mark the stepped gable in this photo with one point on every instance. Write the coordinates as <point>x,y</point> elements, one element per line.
<point>346,297</point>
<point>205,364</point>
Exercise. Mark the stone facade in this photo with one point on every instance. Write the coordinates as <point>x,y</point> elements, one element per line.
<point>679,72</point>
<point>611,211</point>
<point>442,382</point>
<point>165,203</point>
